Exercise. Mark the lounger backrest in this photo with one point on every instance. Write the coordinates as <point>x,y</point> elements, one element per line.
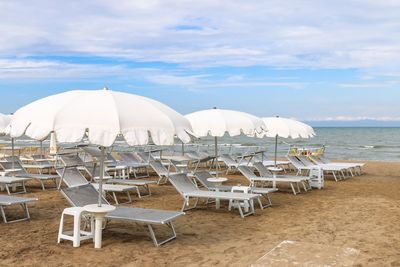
<point>202,178</point>
<point>182,183</point>
<point>71,160</point>
<point>316,160</point>
<point>83,195</point>
<point>110,159</point>
<point>264,172</point>
<point>228,160</point>
<point>305,161</point>
<point>95,171</point>
<point>93,151</point>
<point>72,177</point>
<point>247,172</point>
<point>295,162</point>
<point>130,158</point>
<point>260,156</point>
<point>145,156</point>
<point>8,165</point>
<point>41,159</point>
<point>158,167</point>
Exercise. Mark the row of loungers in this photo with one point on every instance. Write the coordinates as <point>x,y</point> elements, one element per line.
<point>339,171</point>
<point>80,192</point>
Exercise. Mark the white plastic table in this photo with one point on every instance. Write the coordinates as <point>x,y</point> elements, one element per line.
<point>216,182</point>
<point>274,171</point>
<point>99,213</point>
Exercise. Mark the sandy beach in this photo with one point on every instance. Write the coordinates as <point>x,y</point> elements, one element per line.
<point>361,213</point>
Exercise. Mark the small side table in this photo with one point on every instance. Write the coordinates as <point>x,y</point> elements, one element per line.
<point>274,171</point>
<point>217,182</point>
<point>99,213</point>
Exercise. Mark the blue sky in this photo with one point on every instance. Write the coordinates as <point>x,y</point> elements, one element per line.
<point>310,60</point>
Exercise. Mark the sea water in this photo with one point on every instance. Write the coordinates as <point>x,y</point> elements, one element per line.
<point>359,143</point>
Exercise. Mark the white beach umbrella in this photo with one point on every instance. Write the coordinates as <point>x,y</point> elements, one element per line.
<point>101,115</point>
<point>216,122</point>
<point>4,121</point>
<point>286,128</point>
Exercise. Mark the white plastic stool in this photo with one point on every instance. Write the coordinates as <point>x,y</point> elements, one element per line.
<point>77,234</point>
<point>245,204</point>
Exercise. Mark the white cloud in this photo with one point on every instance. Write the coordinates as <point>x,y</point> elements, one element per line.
<point>311,34</point>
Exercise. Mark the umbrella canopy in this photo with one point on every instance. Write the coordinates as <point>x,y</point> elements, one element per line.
<point>4,121</point>
<point>217,122</point>
<point>102,115</point>
<point>287,128</point>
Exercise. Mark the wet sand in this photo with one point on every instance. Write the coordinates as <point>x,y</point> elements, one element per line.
<point>361,213</point>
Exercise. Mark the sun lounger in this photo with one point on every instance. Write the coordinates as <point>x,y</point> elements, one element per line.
<point>325,167</point>
<point>293,181</point>
<point>261,156</point>
<point>13,182</point>
<point>162,172</point>
<point>188,190</point>
<point>263,191</point>
<point>6,201</point>
<point>134,163</point>
<point>86,194</point>
<point>356,167</point>
<point>231,163</point>
<point>72,177</point>
<point>22,172</point>
<point>198,158</point>
<point>95,174</point>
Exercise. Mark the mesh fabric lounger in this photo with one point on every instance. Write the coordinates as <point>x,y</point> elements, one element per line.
<point>95,174</point>
<point>230,162</point>
<point>263,191</point>
<point>73,178</point>
<point>162,172</point>
<point>135,182</point>
<point>253,178</point>
<point>351,167</point>
<point>264,172</point>
<point>11,200</point>
<point>199,158</point>
<point>324,167</point>
<point>261,156</point>
<point>8,181</point>
<point>188,190</point>
<point>354,164</point>
<point>135,163</point>
<point>25,174</point>
<point>298,165</point>
<point>87,194</point>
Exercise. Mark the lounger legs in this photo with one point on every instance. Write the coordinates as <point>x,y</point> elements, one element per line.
<point>161,242</point>
<point>26,211</point>
<point>293,188</point>
<point>268,204</point>
<point>114,196</point>
<point>23,191</point>
<point>186,204</point>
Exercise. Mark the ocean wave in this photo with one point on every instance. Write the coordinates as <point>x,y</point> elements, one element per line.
<point>368,147</point>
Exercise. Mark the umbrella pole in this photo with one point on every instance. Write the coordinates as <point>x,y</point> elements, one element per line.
<point>41,149</point>
<point>276,147</point>
<point>12,152</point>
<point>101,175</point>
<point>216,155</point>
<point>183,149</point>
